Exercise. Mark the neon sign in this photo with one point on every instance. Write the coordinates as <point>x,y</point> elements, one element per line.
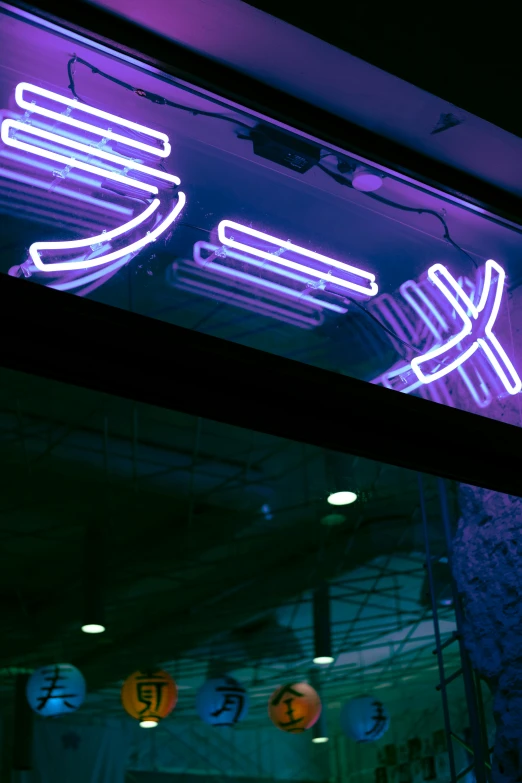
<point>460,329</point>
<point>476,332</point>
<point>448,326</point>
<point>289,256</point>
<point>72,147</point>
<point>217,259</point>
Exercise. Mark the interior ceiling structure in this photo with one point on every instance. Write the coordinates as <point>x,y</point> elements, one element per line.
<point>211,546</point>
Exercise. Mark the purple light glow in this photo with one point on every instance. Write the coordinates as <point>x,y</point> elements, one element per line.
<point>88,263</point>
<point>87,149</point>
<point>38,183</point>
<point>437,302</point>
<point>244,294</point>
<point>51,140</point>
<point>280,246</point>
<point>106,133</point>
<point>212,262</point>
<point>459,348</point>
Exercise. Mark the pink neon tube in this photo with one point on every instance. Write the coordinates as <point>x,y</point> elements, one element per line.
<point>34,108</point>
<point>460,347</point>
<point>150,236</point>
<point>67,160</point>
<point>88,149</point>
<point>369,288</point>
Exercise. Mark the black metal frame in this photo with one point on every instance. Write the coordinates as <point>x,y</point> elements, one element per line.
<point>115,351</point>
<point>126,354</point>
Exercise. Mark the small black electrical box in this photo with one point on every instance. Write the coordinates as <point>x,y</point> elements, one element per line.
<point>282,148</point>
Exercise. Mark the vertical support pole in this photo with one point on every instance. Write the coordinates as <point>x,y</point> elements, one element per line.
<point>134,447</point>
<point>93,575</point>
<point>322,625</point>
<point>22,761</point>
<point>467,671</point>
<point>333,761</point>
<point>436,628</point>
<point>483,723</point>
<point>320,730</point>
<point>344,774</point>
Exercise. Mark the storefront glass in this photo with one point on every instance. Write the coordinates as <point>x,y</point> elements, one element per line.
<point>126,186</point>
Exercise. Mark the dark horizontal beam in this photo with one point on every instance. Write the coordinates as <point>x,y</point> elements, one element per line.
<point>89,344</point>
<point>472,61</point>
<point>102,26</point>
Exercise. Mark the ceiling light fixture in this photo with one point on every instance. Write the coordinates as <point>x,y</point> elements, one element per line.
<point>320,729</point>
<point>93,614</point>
<point>322,626</point>
<point>339,479</point>
<point>148,724</point>
<point>343,498</point>
<point>366,180</point>
<point>93,628</point>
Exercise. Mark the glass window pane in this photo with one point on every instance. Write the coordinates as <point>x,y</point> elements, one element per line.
<point>208,551</point>
<point>129,187</point>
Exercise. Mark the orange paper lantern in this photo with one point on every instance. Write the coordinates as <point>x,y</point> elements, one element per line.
<point>294,707</point>
<point>149,696</point>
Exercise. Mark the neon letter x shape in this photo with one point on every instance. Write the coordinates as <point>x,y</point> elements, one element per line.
<point>476,333</point>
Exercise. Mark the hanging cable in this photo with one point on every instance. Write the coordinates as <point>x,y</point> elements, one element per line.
<point>341,180</point>
<point>150,96</point>
<point>418,210</point>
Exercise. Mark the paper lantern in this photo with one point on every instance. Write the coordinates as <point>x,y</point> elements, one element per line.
<point>149,696</point>
<point>222,702</point>
<point>56,690</point>
<point>294,707</point>
<point>365,719</point>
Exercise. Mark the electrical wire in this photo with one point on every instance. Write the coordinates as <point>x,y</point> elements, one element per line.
<point>383,326</point>
<point>419,210</point>
<point>150,96</point>
<point>339,178</point>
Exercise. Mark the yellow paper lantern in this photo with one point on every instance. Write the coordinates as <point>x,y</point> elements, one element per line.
<point>294,707</point>
<point>149,696</point>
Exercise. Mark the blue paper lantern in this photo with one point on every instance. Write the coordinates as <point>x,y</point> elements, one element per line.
<point>56,690</point>
<point>365,719</point>
<point>222,702</point>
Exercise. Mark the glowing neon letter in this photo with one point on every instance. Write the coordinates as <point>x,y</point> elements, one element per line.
<point>476,332</point>
<point>302,260</point>
<point>213,262</point>
<point>57,145</point>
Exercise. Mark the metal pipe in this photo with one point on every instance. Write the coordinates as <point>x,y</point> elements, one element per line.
<point>322,626</point>
<point>440,660</point>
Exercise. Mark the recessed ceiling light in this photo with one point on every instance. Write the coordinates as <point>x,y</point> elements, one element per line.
<point>323,660</point>
<point>342,498</point>
<point>93,628</point>
<point>319,740</point>
<point>148,724</point>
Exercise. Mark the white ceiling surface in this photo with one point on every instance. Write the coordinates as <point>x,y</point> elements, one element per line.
<point>296,62</point>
